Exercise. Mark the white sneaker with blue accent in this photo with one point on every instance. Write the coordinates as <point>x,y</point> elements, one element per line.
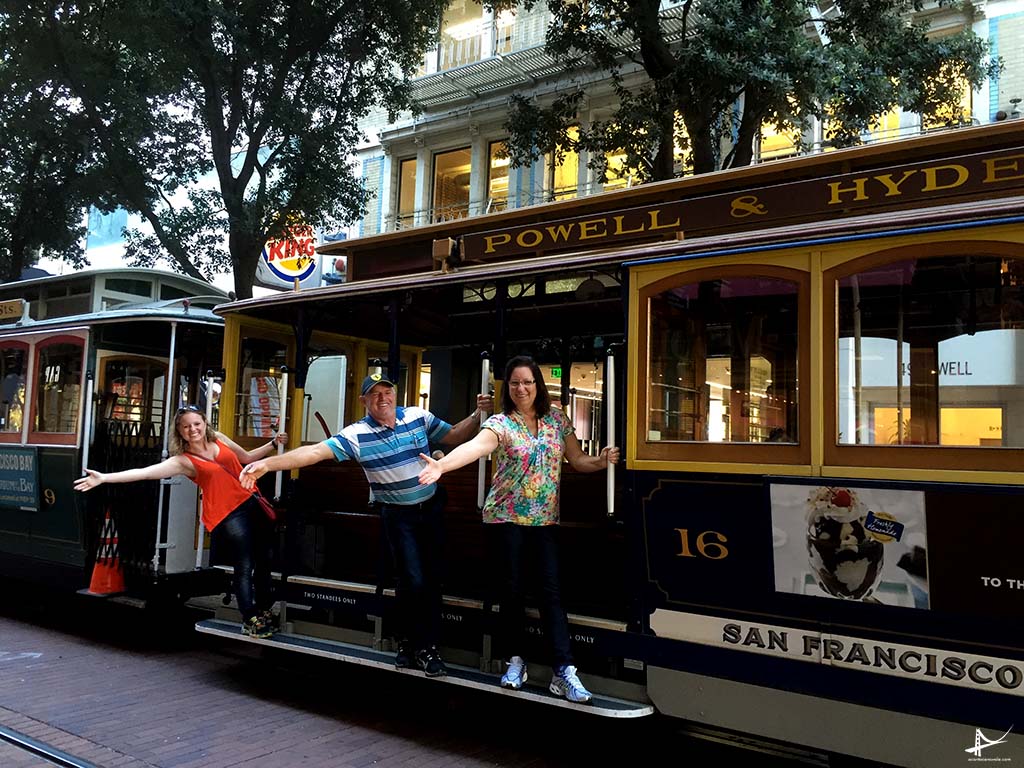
<point>515,675</point>
<point>567,683</point>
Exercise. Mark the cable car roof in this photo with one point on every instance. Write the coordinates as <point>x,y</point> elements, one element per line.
<point>155,311</point>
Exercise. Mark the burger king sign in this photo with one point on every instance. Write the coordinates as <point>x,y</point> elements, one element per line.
<point>289,258</point>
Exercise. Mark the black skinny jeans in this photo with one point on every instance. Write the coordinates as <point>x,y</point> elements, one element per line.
<point>530,553</point>
<point>243,538</point>
<point>416,537</point>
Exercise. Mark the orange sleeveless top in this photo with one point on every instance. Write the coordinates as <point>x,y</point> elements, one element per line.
<point>222,493</point>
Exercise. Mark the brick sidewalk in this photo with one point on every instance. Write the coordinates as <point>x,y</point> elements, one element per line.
<point>113,698</point>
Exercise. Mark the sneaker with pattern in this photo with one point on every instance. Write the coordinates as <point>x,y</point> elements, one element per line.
<point>430,661</point>
<point>256,627</point>
<point>567,683</point>
<point>270,620</point>
<point>515,675</point>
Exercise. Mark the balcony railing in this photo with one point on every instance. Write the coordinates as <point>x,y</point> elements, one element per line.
<point>525,30</point>
<point>469,43</point>
<point>442,213</point>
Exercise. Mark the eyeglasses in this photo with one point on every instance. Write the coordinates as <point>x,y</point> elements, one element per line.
<point>189,409</point>
<point>523,383</point>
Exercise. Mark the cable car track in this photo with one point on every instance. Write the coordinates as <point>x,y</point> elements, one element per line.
<point>42,750</point>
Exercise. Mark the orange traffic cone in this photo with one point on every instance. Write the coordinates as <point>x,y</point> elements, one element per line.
<point>107,577</point>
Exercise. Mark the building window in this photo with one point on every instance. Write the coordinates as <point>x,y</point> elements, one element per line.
<point>497,177</point>
<point>563,170</point>
<point>617,176</point>
<point>451,184</point>
<point>461,34</point>
<point>373,182</point>
<point>504,31</point>
<point>774,145</point>
<point>953,117</point>
<point>520,29</point>
<point>406,193</point>
<point>724,362</point>
<point>885,127</point>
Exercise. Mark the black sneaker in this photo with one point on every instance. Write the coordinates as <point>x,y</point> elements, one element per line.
<point>430,661</point>
<point>404,658</point>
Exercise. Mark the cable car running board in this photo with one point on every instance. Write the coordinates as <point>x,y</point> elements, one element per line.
<point>467,677</point>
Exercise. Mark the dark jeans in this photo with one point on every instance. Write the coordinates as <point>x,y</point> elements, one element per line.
<point>415,534</point>
<point>530,553</point>
<point>243,537</point>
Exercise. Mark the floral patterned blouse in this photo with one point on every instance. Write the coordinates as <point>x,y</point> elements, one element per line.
<point>524,489</point>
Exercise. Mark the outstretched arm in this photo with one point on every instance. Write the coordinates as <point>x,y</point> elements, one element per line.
<point>466,428</point>
<point>582,462</point>
<point>245,457</point>
<point>478,447</point>
<point>176,465</point>
<point>300,457</point>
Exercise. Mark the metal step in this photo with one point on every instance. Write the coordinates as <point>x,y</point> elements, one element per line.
<point>467,677</point>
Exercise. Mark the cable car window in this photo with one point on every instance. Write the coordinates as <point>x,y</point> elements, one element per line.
<point>133,390</point>
<point>58,386</point>
<point>172,292</point>
<point>723,361</point>
<point>930,351</point>
<point>127,285</point>
<point>258,402</point>
<point>13,365</point>
<point>324,411</point>
<point>585,404</point>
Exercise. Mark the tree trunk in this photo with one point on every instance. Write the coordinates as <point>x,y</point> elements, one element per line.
<point>26,207</point>
<point>743,152</point>
<point>664,160</point>
<point>13,267</point>
<point>750,124</point>
<point>702,147</point>
<point>245,249</point>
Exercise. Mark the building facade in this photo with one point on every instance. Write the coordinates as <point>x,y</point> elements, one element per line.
<point>446,163</point>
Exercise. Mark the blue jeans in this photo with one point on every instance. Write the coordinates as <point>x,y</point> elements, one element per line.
<point>530,553</point>
<point>415,534</point>
<point>243,537</point>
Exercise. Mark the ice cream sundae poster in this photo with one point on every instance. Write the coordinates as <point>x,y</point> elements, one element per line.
<point>851,543</point>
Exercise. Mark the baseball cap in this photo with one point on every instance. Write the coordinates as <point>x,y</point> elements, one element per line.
<point>372,380</point>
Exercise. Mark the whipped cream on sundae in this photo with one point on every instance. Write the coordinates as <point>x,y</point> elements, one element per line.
<point>841,504</point>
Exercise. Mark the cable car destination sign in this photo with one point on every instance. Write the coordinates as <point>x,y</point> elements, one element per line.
<point>997,173</point>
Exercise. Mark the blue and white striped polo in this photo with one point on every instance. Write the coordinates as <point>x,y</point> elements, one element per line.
<point>391,457</point>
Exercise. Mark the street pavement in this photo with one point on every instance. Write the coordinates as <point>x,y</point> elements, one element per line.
<point>120,688</point>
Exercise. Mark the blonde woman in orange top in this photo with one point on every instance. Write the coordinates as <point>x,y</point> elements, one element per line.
<point>231,513</point>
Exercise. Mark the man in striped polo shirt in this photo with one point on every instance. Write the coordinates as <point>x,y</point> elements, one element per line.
<point>387,443</point>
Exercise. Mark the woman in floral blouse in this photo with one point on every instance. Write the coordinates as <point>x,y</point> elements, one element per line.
<point>531,439</point>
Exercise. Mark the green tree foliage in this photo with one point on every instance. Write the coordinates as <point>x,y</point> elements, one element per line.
<point>46,163</point>
<point>716,71</point>
<point>262,95</point>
